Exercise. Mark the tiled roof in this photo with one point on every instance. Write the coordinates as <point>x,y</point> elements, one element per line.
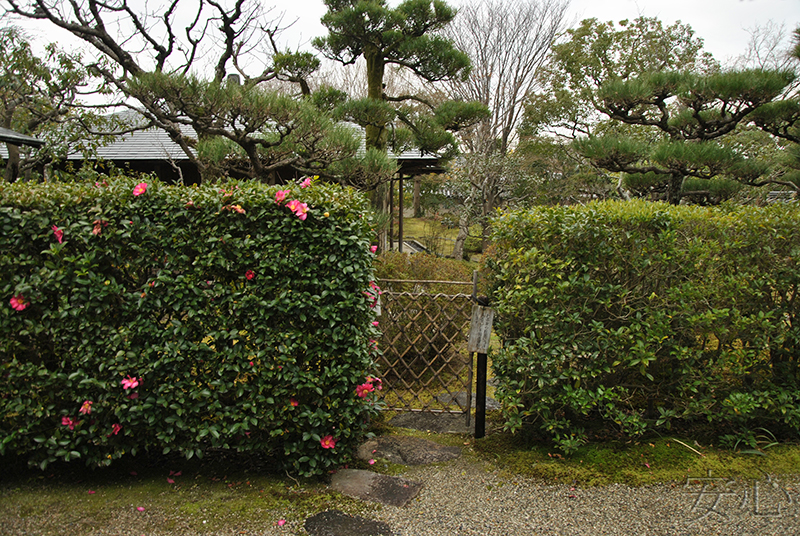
<point>150,144</point>
<point>154,144</point>
<point>15,138</point>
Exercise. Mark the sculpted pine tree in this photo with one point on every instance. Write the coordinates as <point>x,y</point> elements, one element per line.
<point>691,113</point>
<point>644,100</point>
<point>405,36</point>
<point>151,60</point>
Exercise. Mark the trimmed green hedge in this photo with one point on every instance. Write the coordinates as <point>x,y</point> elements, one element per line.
<point>640,315</point>
<point>241,320</point>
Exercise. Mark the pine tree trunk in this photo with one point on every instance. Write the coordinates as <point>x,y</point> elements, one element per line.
<point>376,135</point>
<point>674,189</point>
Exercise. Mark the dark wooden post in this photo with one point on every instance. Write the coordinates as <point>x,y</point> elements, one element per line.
<point>400,218</point>
<point>391,213</point>
<point>480,333</point>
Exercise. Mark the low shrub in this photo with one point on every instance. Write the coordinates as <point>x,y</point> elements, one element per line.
<point>141,316</point>
<point>641,315</point>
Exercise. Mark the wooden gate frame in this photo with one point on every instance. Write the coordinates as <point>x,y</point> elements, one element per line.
<point>406,387</point>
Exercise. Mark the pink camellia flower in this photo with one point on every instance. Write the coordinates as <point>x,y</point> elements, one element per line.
<point>373,249</point>
<point>19,303</point>
<point>364,389</point>
<point>86,407</point>
<point>280,195</point>
<point>130,383</point>
<point>249,274</point>
<point>328,442</point>
<point>238,208</point>
<point>301,210</point>
<point>115,428</point>
<point>68,421</point>
<point>306,183</point>
<point>292,205</point>
<point>59,233</point>
<point>139,189</point>
<point>294,403</point>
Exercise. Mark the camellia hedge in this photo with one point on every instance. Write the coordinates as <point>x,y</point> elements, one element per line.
<point>638,316</point>
<point>145,317</point>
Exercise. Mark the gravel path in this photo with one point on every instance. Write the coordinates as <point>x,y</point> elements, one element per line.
<point>467,497</point>
<point>463,498</point>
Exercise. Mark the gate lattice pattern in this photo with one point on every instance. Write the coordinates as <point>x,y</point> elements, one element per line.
<point>425,365</point>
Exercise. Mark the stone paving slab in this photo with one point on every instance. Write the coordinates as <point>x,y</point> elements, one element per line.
<point>460,398</point>
<point>407,450</point>
<point>440,423</point>
<point>336,523</point>
<point>369,486</point>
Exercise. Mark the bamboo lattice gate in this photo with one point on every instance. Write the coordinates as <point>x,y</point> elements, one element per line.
<point>424,364</point>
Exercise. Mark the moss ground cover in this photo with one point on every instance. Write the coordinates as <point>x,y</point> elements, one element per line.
<point>230,493</point>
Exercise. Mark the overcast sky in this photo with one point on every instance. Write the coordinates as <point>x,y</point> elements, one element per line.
<point>722,24</point>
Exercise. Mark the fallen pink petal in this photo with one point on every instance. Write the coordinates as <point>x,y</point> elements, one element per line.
<point>372,462</point>
<point>281,522</point>
<point>170,481</point>
<point>140,508</point>
<point>91,492</point>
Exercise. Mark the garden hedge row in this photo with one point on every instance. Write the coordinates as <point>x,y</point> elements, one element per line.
<point>639,316</point>
<point>140,316</point>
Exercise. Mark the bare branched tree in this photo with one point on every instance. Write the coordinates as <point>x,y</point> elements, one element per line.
<point>508,41</point>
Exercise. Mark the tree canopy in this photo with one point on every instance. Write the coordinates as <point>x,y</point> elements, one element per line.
<point>38,97</point>
<point>647,102</point>
<point>155,59</point>
<point>406,36</point>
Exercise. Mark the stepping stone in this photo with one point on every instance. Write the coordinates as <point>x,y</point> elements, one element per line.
<point>336,523</point>
<point>407,450</point>
<point>369,486</point>
<point>441,423</point>
<point>460,398</point>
